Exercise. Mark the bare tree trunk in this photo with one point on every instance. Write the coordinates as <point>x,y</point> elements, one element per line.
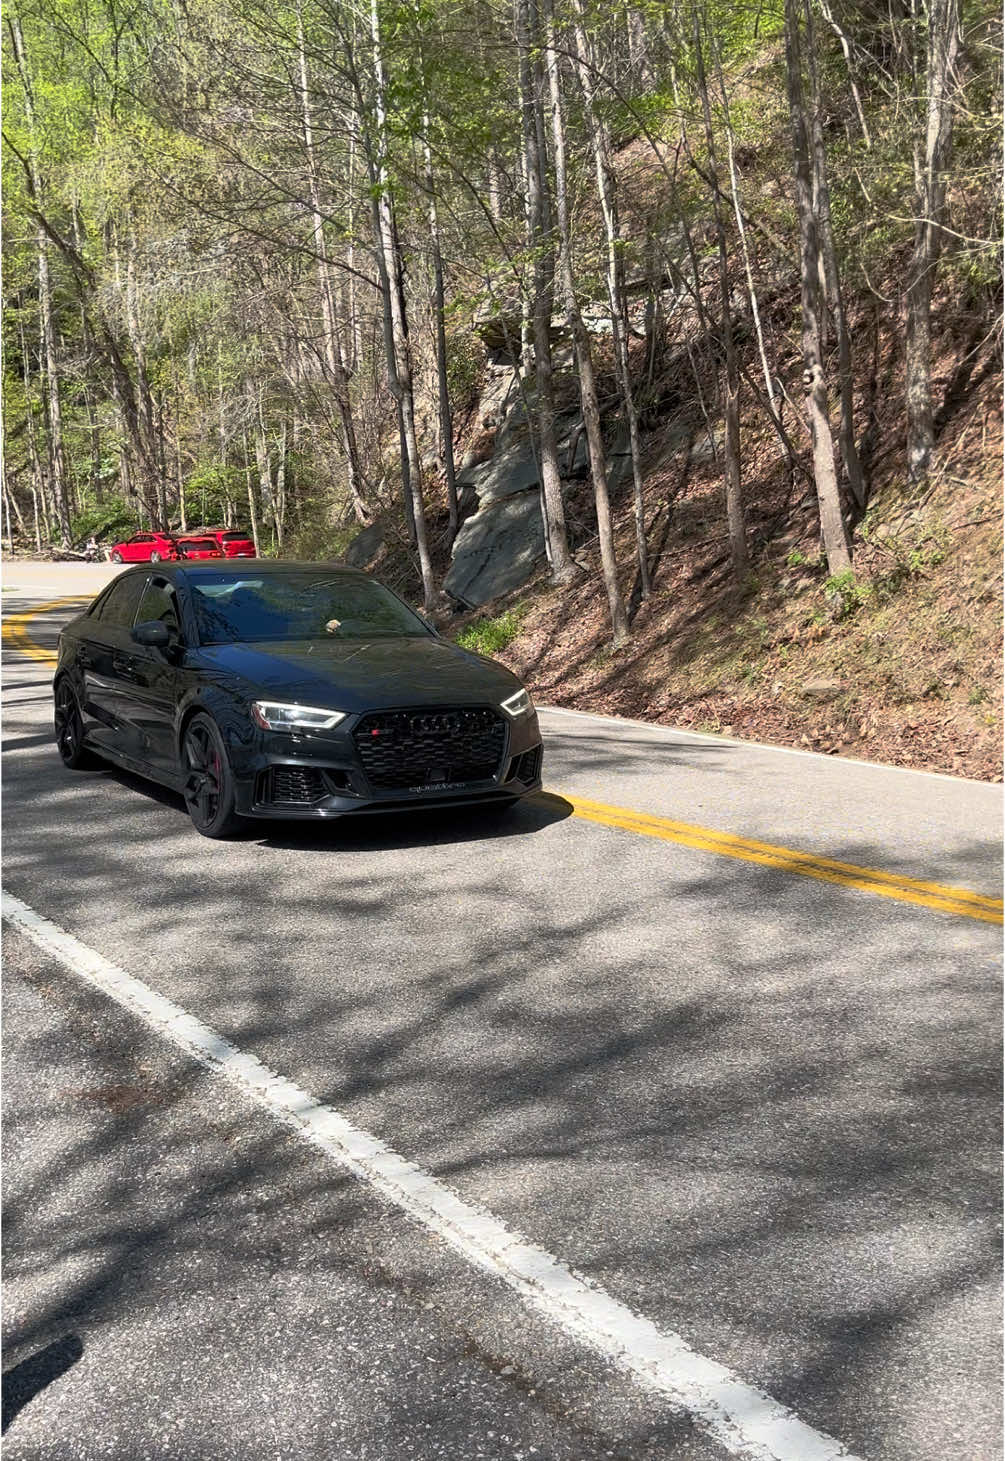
<point>34,459</point>
<point>828,15</point>
<point>582,347</point>
<point>263,461</point>
<point>741,229</point>
<point>401,382</point>
<point>58,483</point>
<point>355,325</point>
<point>252,512</point>
<point>835,537</point>
<point>493,185</point>
<point>151,487</point>
<point>541,246</point>
<point>221,427</point>
<point>11,499</point>
<point>832,279</point>
<point>94,429</point>
<point>281,483</point>
<point>731,454</point>
<point>180,477</point>
<point>333,356</point>
<point>442,387</point>
<point>34,513</point>
<point>161,497</point>
<point>600,144</point>
<point>10,502</point>
<point>50,373</point>
<point>930,202</point>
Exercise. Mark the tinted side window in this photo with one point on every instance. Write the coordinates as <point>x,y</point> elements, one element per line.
<point>158,602</point>
<point>119,608</point>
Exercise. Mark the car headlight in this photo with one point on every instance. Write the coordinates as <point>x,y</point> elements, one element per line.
<point>518,704</point>
<point>271,715</point>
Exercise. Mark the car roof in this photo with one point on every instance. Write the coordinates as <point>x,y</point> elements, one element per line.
<point>270,566</point>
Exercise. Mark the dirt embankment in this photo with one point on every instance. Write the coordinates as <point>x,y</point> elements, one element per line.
<point>901,664</point>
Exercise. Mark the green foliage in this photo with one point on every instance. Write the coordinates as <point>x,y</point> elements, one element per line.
<point>845,594</point>
<point>109,521</point>
<point>909,555</point>
<point>464,367</point>
<point>317,541</point>
<point>210,487</point>
<point>169,146</point>
<point>489,636</point>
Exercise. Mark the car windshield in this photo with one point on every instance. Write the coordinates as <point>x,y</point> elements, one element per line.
<point>318,605</point>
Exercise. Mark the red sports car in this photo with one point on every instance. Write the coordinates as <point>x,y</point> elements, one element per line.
<point>193,547</point>
<point>234,544</point>
<point>145,548</point>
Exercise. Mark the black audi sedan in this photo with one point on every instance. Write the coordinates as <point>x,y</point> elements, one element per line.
<point>287,690</point>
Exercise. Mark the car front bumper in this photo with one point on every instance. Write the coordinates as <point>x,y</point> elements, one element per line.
<point>313,776</point>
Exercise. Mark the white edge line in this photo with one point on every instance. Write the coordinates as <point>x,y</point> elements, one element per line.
<point>748,1422</point>
<point>688,735</point>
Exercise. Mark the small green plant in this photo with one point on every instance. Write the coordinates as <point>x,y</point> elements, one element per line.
<point>927,555</point>
<point>489,636</point>
<point>911,562</point>
<point>845,594</point>
<point>977,696</point>
<point>795,559</point>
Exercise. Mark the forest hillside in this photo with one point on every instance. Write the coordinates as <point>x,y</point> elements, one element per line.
<point>655,349</point>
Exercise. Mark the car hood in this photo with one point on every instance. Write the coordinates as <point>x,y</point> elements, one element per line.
<point>363,674</point>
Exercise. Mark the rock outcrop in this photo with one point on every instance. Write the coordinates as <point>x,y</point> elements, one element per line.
<point>501,543</point>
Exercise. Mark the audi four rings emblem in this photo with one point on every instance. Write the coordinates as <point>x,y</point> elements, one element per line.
<point>434,725</point>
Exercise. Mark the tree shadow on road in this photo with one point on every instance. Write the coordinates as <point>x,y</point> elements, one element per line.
<point>763,1111</point>
<point>22,1382</point>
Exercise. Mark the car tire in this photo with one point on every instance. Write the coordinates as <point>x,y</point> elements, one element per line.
<point>116,557</point>
<point>209,781</point>
<point>155,557</point>
<point>68,727</point>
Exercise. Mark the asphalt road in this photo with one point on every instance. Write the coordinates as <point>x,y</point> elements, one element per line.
<point>756,1108</point>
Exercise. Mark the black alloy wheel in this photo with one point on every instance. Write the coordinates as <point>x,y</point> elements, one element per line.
<point>69,727</point>
<point>116,557</point>
<point>209,782</point>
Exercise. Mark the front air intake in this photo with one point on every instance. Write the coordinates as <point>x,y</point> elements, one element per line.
<point>295,785</point>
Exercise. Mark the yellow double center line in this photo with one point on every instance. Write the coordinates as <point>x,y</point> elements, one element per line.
<point>960,901</point>
<point>15,629</point>
<point>768,854</point>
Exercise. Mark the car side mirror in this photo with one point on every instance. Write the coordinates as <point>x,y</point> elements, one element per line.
<point>154,635</point>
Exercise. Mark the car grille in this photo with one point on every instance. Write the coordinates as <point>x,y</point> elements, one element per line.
<point>430,747</point>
